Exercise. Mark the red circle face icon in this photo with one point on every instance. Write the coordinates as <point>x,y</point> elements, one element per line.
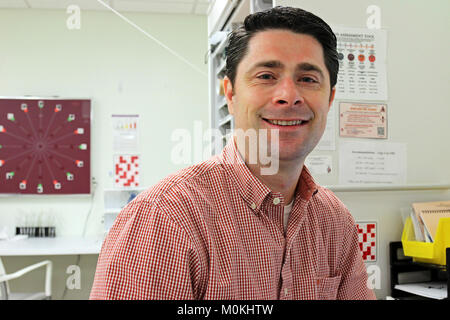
<point>361,57</point>
<point>372,58</point>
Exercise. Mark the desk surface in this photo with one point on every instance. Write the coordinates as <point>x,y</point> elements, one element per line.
<point>51,246</point>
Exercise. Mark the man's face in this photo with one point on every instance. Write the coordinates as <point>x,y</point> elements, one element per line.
<point>282,83</point>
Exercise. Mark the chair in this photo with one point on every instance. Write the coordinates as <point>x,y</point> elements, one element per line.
<point>5,294</point>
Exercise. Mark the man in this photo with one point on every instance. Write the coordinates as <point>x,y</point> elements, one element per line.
<point>223,229</point>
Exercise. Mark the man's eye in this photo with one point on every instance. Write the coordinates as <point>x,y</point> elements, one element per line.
<point>265,76</point>
<point>308,79</point>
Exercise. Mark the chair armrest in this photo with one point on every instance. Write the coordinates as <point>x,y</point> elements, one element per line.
<point>48,274</point>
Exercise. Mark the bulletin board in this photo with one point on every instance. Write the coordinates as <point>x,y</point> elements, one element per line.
<point>45,146</point>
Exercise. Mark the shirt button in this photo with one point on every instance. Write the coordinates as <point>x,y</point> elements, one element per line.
<point>253,206</point>
<point>286,291</point>
<point>276,201</point>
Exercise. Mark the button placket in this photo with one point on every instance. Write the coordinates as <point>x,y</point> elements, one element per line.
<point>286,277</point>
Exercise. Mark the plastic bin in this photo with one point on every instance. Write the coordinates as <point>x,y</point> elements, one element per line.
<point>427,252</point>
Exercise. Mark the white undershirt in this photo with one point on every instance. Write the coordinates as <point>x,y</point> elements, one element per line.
<point>287,212</point>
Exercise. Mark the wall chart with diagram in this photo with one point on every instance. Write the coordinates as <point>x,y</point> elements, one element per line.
<point>45,146</point>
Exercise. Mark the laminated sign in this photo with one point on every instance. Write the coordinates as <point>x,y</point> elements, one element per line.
<point>126,171</point>
<point>367,236</point>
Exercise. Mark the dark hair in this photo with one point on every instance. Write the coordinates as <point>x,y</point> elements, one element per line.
<point>293,19</point>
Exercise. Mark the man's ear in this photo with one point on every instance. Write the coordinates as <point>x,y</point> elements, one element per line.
<point>228,90</point>
<point>332,94</point>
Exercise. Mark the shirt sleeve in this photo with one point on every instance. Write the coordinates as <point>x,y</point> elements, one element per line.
<point>353,270</point>
<point>146,255</point>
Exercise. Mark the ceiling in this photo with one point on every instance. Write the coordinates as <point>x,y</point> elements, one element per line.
<point>199,7</point>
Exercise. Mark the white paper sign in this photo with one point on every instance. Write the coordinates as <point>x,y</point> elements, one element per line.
<point>125,133</point>
<point>319,164</point>
<point>372,163</point>
<point>363,120</point>
<point>362,63</point>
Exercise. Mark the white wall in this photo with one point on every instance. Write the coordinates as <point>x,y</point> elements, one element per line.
<point>123,72</point>
<point>418,112</point>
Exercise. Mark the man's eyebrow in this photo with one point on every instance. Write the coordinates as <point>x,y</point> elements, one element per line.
<point>305,66</point>
<point>275,64</point>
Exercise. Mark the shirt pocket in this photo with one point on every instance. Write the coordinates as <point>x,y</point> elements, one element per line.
<point>327,288</point>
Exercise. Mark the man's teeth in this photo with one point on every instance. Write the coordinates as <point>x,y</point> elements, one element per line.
<point>285,123</point>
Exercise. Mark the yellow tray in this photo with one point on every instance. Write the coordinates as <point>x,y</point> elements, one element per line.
<point>427,252</point>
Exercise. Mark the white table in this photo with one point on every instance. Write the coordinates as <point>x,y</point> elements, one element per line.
<point>51,246</point>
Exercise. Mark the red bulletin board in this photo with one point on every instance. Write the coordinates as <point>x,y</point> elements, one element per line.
<point>45,146</point>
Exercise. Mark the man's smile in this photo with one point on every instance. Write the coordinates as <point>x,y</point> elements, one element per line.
<point>294,123</point>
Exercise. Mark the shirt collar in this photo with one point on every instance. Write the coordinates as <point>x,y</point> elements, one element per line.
<point>250,187</point>
<point>252,190</point>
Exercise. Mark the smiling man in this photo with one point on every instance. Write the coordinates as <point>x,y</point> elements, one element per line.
<point>223,229</point>
<point>281,84</point>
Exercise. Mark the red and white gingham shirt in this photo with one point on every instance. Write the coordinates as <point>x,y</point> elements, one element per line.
<point>214,231</point>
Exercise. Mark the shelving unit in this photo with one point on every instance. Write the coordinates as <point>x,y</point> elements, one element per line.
<point>115,200</point>
<point>400,264</point>
<point>224,17</point>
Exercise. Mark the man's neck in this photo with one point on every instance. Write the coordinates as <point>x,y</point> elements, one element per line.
<point>285,180</point>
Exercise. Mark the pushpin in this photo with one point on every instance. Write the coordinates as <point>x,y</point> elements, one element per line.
<point>23,185</point>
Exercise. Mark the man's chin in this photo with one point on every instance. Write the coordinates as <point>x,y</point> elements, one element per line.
<point>293,154</point>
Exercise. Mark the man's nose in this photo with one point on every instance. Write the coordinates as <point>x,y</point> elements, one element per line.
<point>287,93</point>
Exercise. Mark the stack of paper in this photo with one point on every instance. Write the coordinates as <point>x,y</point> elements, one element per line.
<point>426,218</point>
<point>433,290</point>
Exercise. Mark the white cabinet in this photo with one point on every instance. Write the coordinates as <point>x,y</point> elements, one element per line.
<point>115,200</point>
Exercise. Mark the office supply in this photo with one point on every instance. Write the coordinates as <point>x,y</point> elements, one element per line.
<point>438,276</point>
<point>427,252</point>
<point>38,232</point>
<point>418,233</point>
<point>428,214</point>
<point>433,290</point>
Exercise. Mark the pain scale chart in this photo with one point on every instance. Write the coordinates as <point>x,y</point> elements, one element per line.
<point>45,146</point>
